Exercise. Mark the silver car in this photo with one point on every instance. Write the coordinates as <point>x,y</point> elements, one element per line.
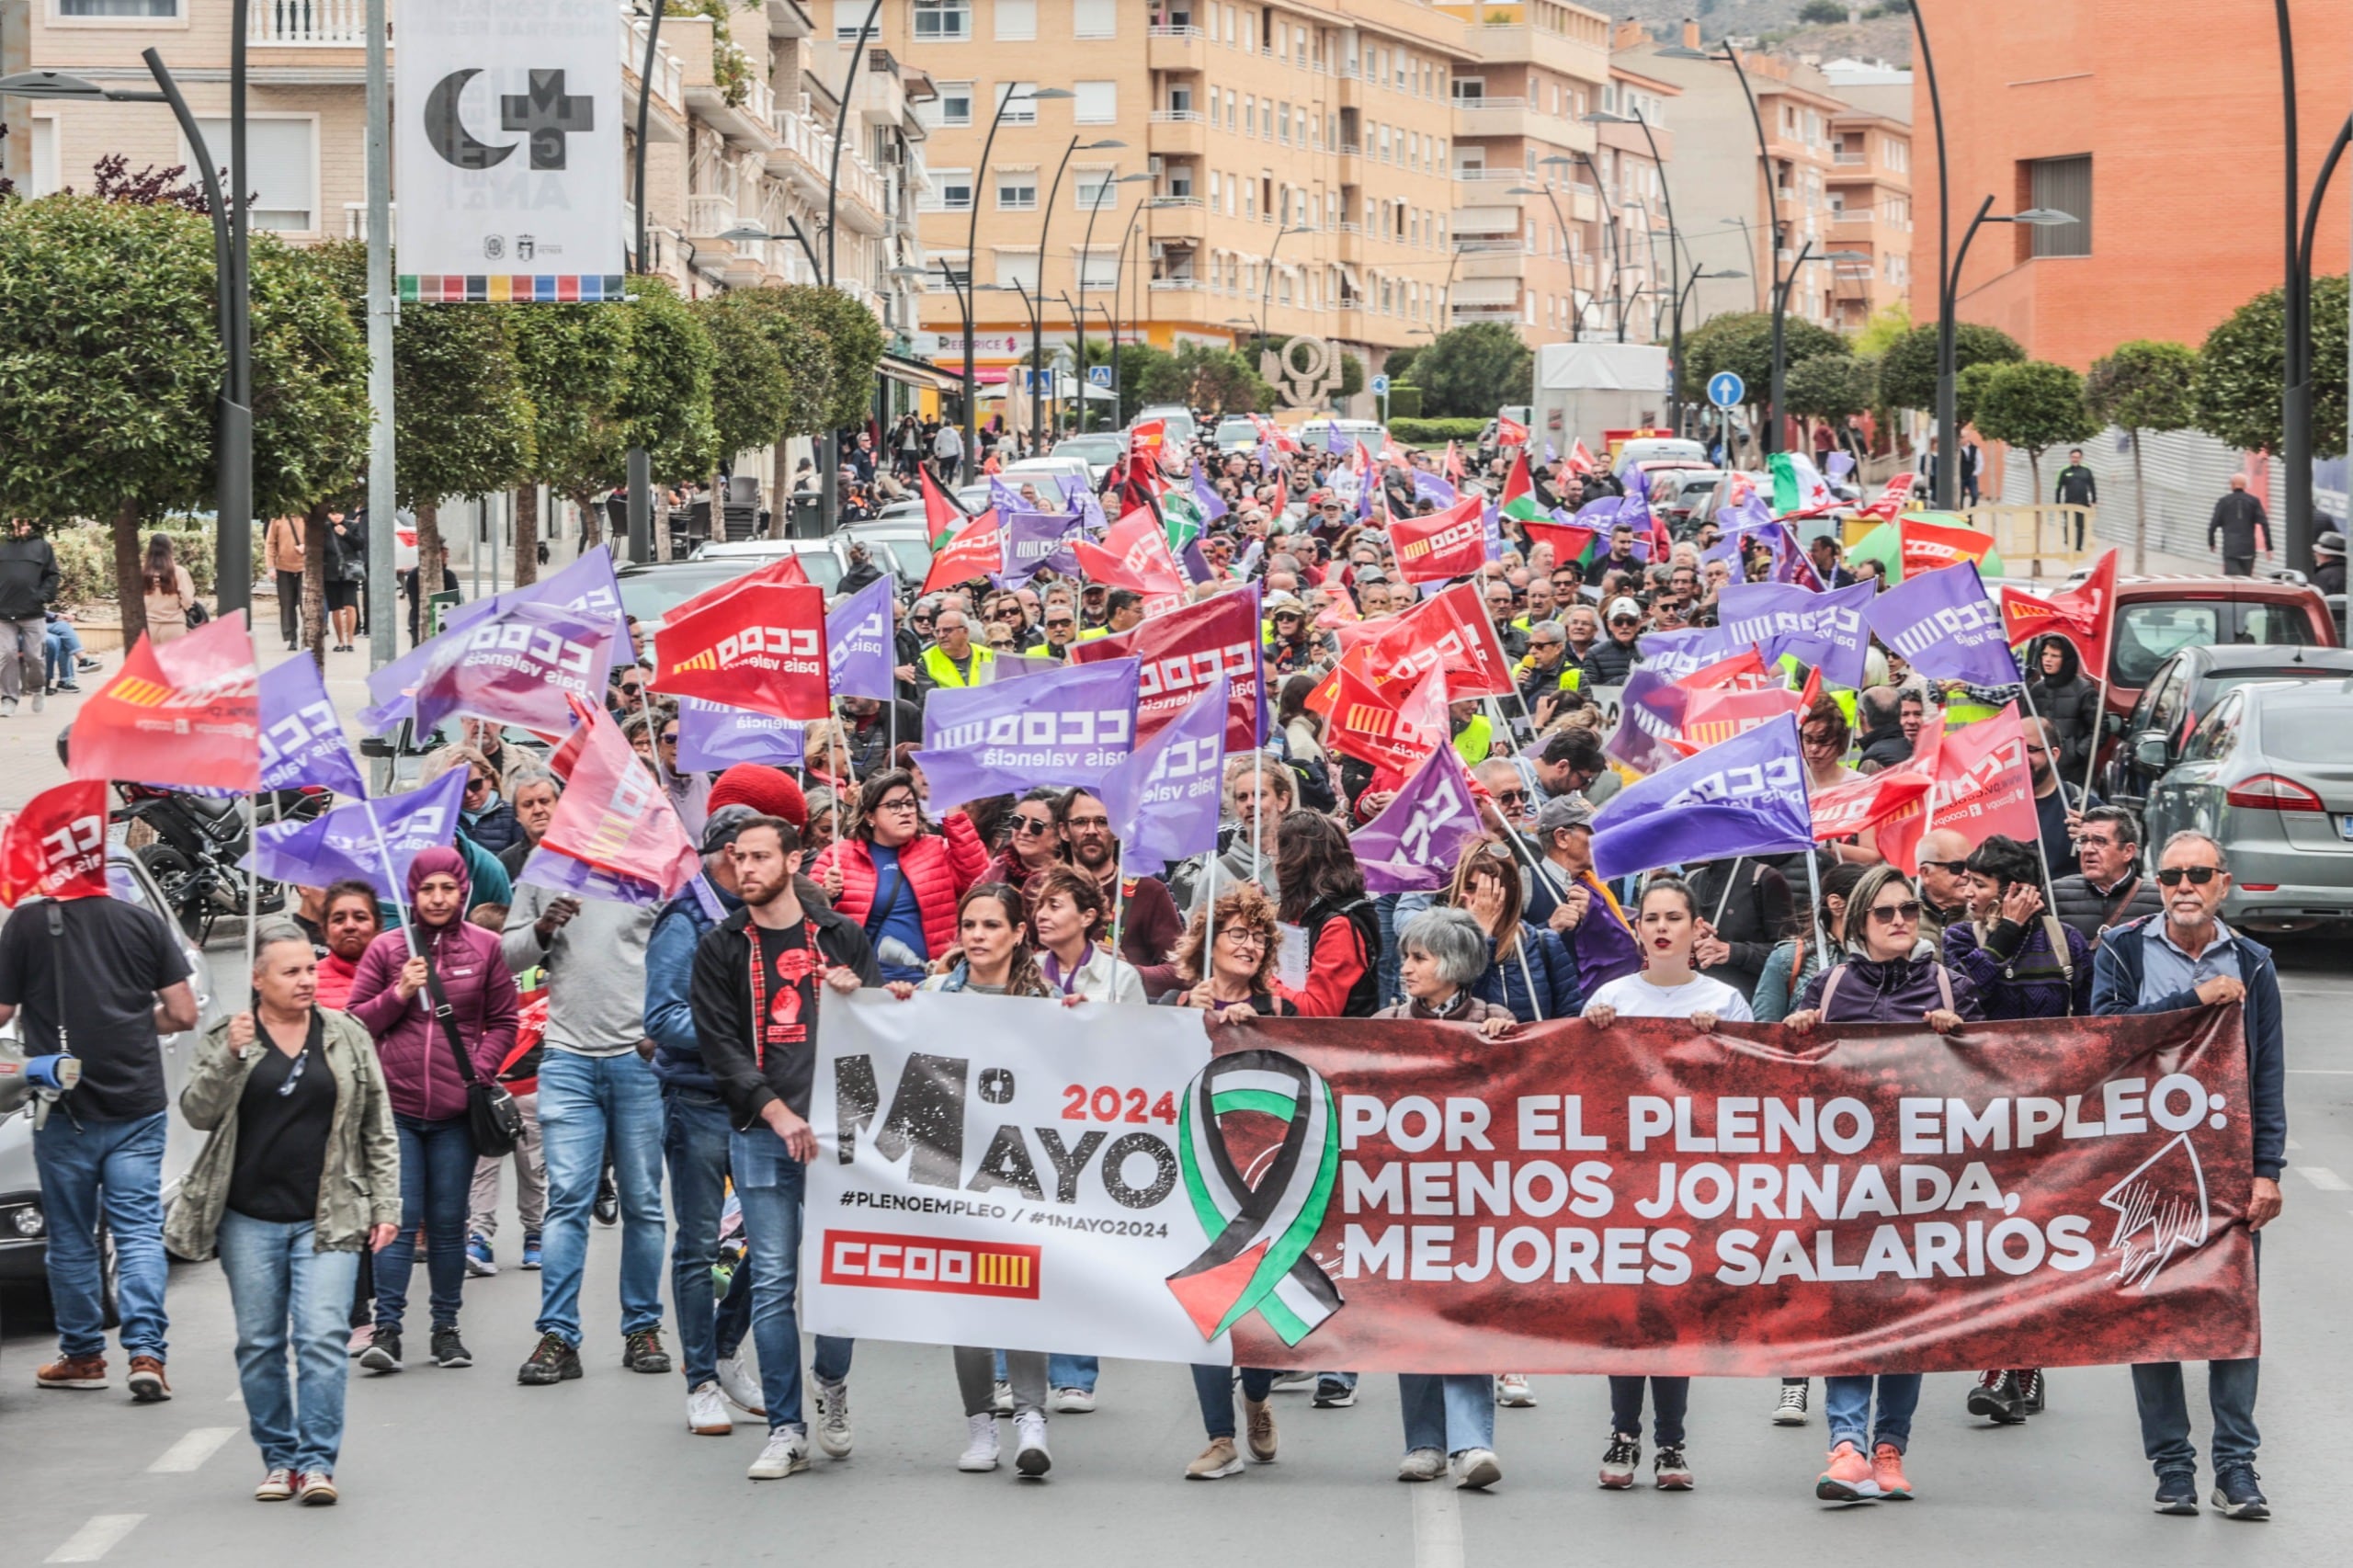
<point>23,1228</point>
<point>2268,775</point>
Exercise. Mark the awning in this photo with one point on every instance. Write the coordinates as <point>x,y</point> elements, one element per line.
<point>916,373</point>
<point>1355,284</point>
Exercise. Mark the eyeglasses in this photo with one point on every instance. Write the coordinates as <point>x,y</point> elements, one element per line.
<point>1950,867</point>
<point>1033,826</point>
<point>294,1073</point>
<point>896,803</point>
<point>2198,876</point>
<point>476,782</point>
<point>632,687</point>
<point>1245,940</point>
<point>1065,624</point>
<point>670,738</point>
<point>1905,913</point>
<point>1625,620</point>
<point>1088,824</point>
<point>1511,796</point>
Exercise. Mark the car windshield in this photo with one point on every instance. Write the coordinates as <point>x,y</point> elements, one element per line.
<point>1232,432</point>
<point>1093,449</point>
<point>907,546</point>
<point>649,595</point>
<point>2309,726</point>
<point>2146,632</point>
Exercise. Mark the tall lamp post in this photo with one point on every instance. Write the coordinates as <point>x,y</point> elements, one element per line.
<point>639,468</point>
<point>1266,284</point>
<point>1609,230</point>
<point>973,239</point>
<point>1946,483</point>
<point>1947,465</point>
<point>1086,250</point>
<point>1673,282</point>
<point>1561,221</point>
<point>233,575</point>
<point>1045,223</point>
<point>1118,395</point>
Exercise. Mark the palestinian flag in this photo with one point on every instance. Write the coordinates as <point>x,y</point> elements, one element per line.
<point>941,516</point>
<point>1519,502</point>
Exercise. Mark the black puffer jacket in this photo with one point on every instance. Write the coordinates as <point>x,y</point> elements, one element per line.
<point>2069,702</point>
<point>1609,664</point>
<point>2084,908</point>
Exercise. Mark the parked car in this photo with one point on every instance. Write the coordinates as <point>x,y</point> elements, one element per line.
<point>1058,478</point>
<point>1667,450</point>
<point>24,1228</point>
<point>650,589</point>
<point>1174,417</point>
<point>1237,433</point>
<point>1097,449</point>
<point>903,536</point>
<point>1315,434</point>
<point>2157,616</point>
<point>2268,775</point>
<point>2184,691</point>
<point>1686,505</point>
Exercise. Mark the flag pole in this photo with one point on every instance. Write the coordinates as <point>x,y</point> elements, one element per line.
<point>400,908</point>
<point>1118,909</point>
<point>2050,895</point>
<point>1722,903</point>
<point>2099,722</point>
<point>1814,915</point>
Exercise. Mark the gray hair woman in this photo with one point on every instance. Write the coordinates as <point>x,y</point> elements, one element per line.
<point>1450,1417</point>
<point>300,1171</point>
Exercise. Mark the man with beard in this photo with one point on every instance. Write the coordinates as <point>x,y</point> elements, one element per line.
<point>2058,805</point>
<point>1148,922</point>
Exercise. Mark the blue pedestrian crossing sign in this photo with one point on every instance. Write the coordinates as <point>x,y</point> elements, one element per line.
<point>1724,389</point>
<point>1380,386</point>
<point>1099,375</point>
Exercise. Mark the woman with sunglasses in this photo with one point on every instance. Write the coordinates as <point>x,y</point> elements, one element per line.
<point>1823,736</point>
<point>1883,979</point>
<point>888,874</point>
<point>1037,840</point>
<point>689,792</point>
<point>298,1176</point>
<point>1669,986</point>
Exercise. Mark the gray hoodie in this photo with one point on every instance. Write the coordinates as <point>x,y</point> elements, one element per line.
<point>596,970</point>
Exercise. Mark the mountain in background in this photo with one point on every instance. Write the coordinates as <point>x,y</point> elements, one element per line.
<point>1882,31</point>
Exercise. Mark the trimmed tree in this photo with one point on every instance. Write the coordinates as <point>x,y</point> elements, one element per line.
<point>1742,342</point>
<point>1834,388</point>
<point>1907,372</point>
<point>2033,406</point>
<point>1215,380</point>
<point>666,405</point>
<point>1472,371</point>
<point>2144,385</point>
<point>574,363</point>
<point>2240,370</point>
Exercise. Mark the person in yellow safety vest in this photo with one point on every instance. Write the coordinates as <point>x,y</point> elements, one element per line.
<point>1475,737</point>
<point>954,662</point>
<point>1061,630</point>
<point>1548,669</point>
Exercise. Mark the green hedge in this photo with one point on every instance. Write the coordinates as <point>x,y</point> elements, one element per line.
<point>1405,401</point>
<point>85,556</point>
<point>1436,432</point>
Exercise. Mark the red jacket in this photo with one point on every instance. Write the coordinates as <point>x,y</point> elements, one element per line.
<point>938,869</point>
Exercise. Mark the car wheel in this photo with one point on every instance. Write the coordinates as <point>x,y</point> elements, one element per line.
<point>176,880</point>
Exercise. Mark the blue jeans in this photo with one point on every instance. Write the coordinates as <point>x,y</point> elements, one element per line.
<point>2165,1413</point>
<point>695,1136</point>
<point>1449,1413</point>
<point>1214,1387</point>
<point>583,1099</point>
<point>114,1168</point>
<point>770,1183</point>
<point>62,647</point>
<point>1671,1398</point>
<point>1847,1404</point>
<point>288,1295</point>
<point>1062,1372</point>
<point>437,1177</point>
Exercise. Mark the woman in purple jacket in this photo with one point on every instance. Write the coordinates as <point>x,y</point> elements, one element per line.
<point>1889,976</point>
<point>392,998</point>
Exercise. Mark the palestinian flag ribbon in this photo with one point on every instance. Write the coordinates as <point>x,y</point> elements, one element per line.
<point>1257,1257</point>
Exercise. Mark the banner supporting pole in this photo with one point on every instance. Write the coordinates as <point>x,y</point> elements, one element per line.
<point>1813,916</point>
<point>2049,898</point>
<point>1118,909</point>
<point>1721,904</point>
<point>400,908</point>
<point>2099,722</point>
<point>253,877</point>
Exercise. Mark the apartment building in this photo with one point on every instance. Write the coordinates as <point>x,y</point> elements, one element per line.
<point>739,131</point>
<point>1869,195</point>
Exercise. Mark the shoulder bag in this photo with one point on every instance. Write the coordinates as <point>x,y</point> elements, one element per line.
<point>495,1120</point>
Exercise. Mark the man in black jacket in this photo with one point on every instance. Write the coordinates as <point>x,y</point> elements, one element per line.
<point>1747,908</point>
<point>1884,744</point>
<point>2239,520</point>
<point>756,1001</point>
<point>1614,657</point>
<point>2110,890</point>
<point>28,581</point>
<point>2076,486</point>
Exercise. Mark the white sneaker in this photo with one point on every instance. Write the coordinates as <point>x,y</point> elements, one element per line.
<point>980,1447</point>
<point>833,1419</point>
<point>706,1412</point>
<point>740,1384</point>
<point>1074,1402</point>
<point>1791,1410</point>
<point>1001,1398</point>
<point>1512,1392</point>
<point>1476,1468</point>
<point>1030,1458</point>
<point>1298,1380</point>
<point>785,1453</point>
<point>276,1487</point>
<point>1422,1464</point>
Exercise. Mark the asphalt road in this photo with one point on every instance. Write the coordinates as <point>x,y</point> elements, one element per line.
<point>465,1467</point>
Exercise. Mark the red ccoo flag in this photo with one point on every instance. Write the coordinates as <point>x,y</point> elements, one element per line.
<point>56,846</point>
<point>761,648</point>
<point>615,833</point>
<point>785,571</point>
<point>2085,615</point>
<point>1510,432</point>
<point>185,715</point>
<point>978,551</point>
<point>1927,546</point>
<point>1442,546</point>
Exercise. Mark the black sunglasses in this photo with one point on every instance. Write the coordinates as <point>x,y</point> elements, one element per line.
<point>1511,796</point>
<point>1907,912</point>
<point>1033,826</point>
<point>1950,867</point>
<point>2198,876</point>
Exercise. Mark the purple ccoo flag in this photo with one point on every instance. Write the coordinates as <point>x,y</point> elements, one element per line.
<point>859,634</point>
<point>1649,715</point>
<point>1744,796</point>
<point>1413,844</point>
<point>1035,541</point>
<point>586,585</point>
<point>345,842</point>
<point>1163,801</point>
<point>1206,497</point>
<point>301,739</point>
<point>1431,487</point>
<point>521,668</point>
<point>1070,727</point>
<point>1945,627</point>
<point>1677,653</point>
<point>1824,630</point>
<point>712,735</point>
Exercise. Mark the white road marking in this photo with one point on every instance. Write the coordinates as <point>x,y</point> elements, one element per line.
<point>2326,1071</point>
<point>2293,1146</point>
<point>2326,1179</point>
<point>1437,1525</point>
<point>95,1540</point>
<point>190,1452</point>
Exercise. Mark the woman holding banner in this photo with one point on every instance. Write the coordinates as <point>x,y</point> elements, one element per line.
<point>1882,980</point>
<point>1323,892</point>
<point>1529,971</point>
<point>1667,987</point>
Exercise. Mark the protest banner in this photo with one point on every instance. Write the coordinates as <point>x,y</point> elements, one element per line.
<point>763,648</point>
<point>186,715</point>
<point>1180,651</point>
<point>1068,727</point>
<point>55,844</point>
<point>373,841</point>
<point>1401,1196</point>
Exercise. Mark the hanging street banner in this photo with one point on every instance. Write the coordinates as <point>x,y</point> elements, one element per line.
<point>1399,1196</point>
<point>508,142</point>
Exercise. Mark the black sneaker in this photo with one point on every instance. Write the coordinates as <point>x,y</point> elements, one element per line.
<point>2032,1384</point>
<point>2177,1492</point>
<point>2237,1496</point>
<point>1330,1394</point>
<point>449,1350</point>
<point>642,1352</point>
<point>552,1361</point>
<point>1996,1398</point>
<point>383,1352</point>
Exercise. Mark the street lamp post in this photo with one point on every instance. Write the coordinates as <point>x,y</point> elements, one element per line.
<point>972,240</point>
<point>1674,283</point>
<point>1086,250</point>
<point>1730,56</point>
<point>1948,465</point>
<point>1560,221</point>
<point>1045,223</point>
<point>639,471</point>
<point>1609,230</point>
<point>1946,480</point>
<point>1266,284</point>
<point>1118,395</point>
<point>829,440</point>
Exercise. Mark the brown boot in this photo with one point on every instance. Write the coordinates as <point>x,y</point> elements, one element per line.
<point>74,1372</point>
<point>146,1381</point>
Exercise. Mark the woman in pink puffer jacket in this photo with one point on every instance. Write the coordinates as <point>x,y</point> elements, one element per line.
<point>391,999</point>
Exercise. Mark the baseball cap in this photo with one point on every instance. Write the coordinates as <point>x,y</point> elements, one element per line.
<point>1562,811</point>
<point>725,823</point>
<point>1622,607</point>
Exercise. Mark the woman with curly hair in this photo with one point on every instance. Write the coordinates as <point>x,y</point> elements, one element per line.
<point>1231,976</point>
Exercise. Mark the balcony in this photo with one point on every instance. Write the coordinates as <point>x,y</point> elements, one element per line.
<point>1174,48</point>
<point>786,19</point>
<point>1467,312</point>
<point>307,24</point>
<point>1498,116</point>
<point>803,153</point>
<point>669,81</point>
<point>1178,133</point>
<point>1179,218</point>
<point>707,217</point>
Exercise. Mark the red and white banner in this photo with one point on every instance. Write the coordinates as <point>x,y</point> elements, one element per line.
<point>56,846</point>
<point>1399,1196</point>
<point>761,648</point>
<point>186,715</point>
<point>615,834</point>
<point>1981,787</point>
<point>1443,546</point>
<point>977,552</point>
<point>1183,651</point>
<point>1450,627</point>
<point>1510,432</point>
<point>1892,497</point>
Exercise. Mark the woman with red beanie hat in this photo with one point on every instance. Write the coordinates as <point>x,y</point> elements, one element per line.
<point>896,880</point>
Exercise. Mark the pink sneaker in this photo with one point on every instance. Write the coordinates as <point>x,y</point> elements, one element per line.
<point>1887,1469</point>
<point>1848,1479</point>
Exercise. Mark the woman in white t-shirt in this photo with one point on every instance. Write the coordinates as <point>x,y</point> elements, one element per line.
<point>1666,924</point>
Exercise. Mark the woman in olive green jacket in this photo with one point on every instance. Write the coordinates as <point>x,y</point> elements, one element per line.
<point>302,1170</point>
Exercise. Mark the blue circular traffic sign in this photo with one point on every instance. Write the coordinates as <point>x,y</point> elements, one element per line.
<point>1724,389</point>
<point>1380,386</point>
